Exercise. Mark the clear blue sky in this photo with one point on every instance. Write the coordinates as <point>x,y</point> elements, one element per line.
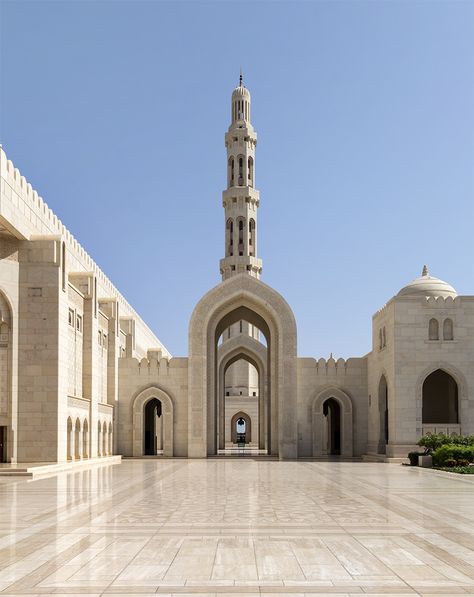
<point>116,113</point>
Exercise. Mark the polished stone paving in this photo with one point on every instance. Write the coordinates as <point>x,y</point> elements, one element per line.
<point>227,526</point>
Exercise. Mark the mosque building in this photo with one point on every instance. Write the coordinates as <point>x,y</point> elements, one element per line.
<point>83,377</point>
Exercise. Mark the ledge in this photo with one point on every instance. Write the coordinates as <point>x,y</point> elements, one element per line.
<point>34,469</point>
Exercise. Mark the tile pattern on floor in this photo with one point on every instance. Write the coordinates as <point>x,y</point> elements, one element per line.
<point>229,526</point>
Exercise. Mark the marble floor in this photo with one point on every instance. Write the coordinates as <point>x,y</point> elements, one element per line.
<point>228,526</point>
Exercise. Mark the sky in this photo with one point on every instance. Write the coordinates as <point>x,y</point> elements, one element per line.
<point>115,111</point>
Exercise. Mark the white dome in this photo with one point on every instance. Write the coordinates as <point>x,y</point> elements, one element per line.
<point>427,285</point>
<point>241,92</point>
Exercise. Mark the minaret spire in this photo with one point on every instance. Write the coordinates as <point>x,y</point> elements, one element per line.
<point>240,199</point>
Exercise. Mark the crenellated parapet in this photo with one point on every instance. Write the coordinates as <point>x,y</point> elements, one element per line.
<point>332,366</point>
<point>154,365</point>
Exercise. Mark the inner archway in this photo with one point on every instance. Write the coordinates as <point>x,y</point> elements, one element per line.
<point>332,412</point>
<point>440,399</point>
<point>250,355</point>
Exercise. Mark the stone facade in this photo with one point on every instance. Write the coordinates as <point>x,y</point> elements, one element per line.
<point>82,376</point>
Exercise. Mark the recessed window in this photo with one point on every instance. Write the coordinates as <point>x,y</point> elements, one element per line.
<point>433,329</point>
<point>79,323</point>
<point>71,317</point>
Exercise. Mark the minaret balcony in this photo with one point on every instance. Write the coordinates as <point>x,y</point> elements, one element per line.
<point>236,193</point>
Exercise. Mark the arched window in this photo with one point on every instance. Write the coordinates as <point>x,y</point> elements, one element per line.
<point>380,339</point>
<point>241,171</point>
<point>384,336</point>
<point>241,237</point>
<point>230,237</point>
<point>433,329</point>
<point>250,171</point>
<point>252,237</point>
<point>230,174</point>
<point>448,329</point>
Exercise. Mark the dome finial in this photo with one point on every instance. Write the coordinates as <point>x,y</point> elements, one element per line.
<point>241,78</point>
<point>425,271</point>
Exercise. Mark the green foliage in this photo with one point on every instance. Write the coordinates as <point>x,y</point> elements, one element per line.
<point>452,452</point>
<point>462,470</point>
<point>450,462</point>
<point>433,441</point>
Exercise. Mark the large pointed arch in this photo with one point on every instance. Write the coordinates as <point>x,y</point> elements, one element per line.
<point>242,297</point>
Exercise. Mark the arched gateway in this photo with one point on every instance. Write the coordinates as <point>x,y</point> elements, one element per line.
<point>242,297</point>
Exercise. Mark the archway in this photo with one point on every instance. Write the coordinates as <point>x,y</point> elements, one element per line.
<point>332,413</point>
<point>85,439</point>
<point>77,440</point>
<point>99,439</point>
<point>242,297</point>
<point>70,438</point>
<point>241,425</point>
<point>331,396</point>
<point>440,399</point>
<point>148,433</point>
<point>383,415</point>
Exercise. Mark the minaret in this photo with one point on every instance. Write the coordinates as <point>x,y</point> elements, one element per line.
<point>240,200</point>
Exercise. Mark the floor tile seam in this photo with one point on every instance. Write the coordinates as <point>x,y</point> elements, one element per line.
<point>452,546</point>
<point>361,498</point>
<point>50,563</point>
<point>442,555</point>
<point>105,506</point>
<point>443,511</point>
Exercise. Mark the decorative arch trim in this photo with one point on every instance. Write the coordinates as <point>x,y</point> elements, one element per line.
<point>138,405</point>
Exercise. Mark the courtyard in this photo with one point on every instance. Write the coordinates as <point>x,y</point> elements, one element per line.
<point>238,525</point>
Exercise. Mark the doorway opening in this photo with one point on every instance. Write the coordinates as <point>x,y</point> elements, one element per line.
<point>153,428</point>
<point>440,399</point>
<point>332,413</point>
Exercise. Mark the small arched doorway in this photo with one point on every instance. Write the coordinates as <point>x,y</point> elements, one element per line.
<point>152,434</point>
<point>440,399</point>
<point>383,415</point>
<point>77,440</point>
<point>332,418</point>
<point>153,428</point>
<point>241,428</point>
<point>332,413</point>
<point>70,439</point>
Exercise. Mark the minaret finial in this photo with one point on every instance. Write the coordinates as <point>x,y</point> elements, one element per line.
<point>241,78</point>
<point>425,271</point>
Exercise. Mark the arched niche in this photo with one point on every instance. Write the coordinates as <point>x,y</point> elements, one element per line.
<point>242,297</point>
<point>167,412</point>
<point>465,403</point>
<point>382,396</point>
<point>319,421</point>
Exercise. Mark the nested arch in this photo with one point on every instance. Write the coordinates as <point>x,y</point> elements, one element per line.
<point>248,427</point>
<point>138,407</point>
<point>346,414</point>
<point>242,297</point>
<point>252,351</point>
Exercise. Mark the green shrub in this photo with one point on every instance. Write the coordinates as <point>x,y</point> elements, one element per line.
<point>452,452</point>
<point>450,462</point>
<point>462,462</point>
<point>433,441</point>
